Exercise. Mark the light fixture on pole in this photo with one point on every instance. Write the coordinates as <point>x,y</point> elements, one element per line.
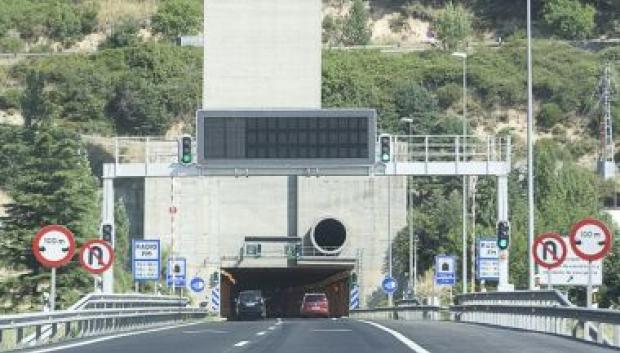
<point>412,272</point>
<point>463,56</point>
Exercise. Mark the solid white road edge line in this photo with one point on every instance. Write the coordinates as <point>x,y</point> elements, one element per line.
<point>107,338</point>
<point>241,344</point>
<point>399,336</point>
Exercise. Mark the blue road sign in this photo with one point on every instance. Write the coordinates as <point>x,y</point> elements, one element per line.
<point>146,260</point>
<point>445,270</point>
<point>197,284</point>
<point>487,264</point>
<point>179,266</point>
<point>389,285</point>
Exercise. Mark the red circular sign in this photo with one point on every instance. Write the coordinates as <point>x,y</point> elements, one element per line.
<point>96,256</point>
<point>590,239</point>
<point>541,244</point>
<point>53,246</point>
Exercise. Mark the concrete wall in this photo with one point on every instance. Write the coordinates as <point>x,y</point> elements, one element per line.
<point>267,54</point>
<point>263,54</point>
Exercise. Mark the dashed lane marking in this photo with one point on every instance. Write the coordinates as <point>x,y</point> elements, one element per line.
<point>241,344</point>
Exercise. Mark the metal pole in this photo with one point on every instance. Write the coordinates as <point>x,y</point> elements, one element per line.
<point>474,180</point>
<point>549,284</point>
<point>415,266</point>
<point>589,288</point>
<point>465,179</point>
<point>412,273</point>
<point>530,152</point>
<point>204,55</point>
<point>389,227</point>
<point>172,212</point>
<point>53,290</point>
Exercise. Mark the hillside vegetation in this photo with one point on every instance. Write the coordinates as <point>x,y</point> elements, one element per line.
<point>138,86</point>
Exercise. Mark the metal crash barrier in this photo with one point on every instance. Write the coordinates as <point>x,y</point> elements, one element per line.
<point>541,311</point>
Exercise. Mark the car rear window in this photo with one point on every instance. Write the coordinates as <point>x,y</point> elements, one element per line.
<point>249,296</point>
<point>315,298</point>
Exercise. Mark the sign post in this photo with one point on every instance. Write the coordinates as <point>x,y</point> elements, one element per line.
<point>591,240</point>
<point>53,246</point>
<point>549,251</point>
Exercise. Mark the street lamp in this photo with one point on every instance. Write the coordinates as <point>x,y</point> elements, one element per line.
<point>412,269</point>
<point>530,151</point>
<point>463,56</point>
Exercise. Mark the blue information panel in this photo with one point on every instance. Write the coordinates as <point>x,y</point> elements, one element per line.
<point>389,285</point>
<point>197,284</point>
<point>177,269</point>
<point>445,274</point>
<point>488,259</point>
<point>146,260</point>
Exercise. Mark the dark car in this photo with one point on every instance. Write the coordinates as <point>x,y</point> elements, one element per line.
<point>250,304</point>
<point>315,304</point>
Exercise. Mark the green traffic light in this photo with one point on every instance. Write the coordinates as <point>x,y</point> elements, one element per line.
<point>385,157</point>
<point>187,159</point>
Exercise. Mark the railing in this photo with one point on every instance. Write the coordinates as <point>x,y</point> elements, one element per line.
<point>293,251</point>
<point>541,311</point>
<point>95,314</point>
<point>407,148</point>
<point>442,148</point>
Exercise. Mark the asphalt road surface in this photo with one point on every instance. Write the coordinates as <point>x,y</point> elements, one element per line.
<point>326,336</point>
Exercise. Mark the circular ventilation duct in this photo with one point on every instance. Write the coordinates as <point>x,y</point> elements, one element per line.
<point>328,236</point>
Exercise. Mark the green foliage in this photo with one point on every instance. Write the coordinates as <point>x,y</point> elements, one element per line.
<point>10,98</point>
<point>448,95</point>
<point>178,17</point>
<point>569,19</point>
<point>332,28</point>
<point>62,20</point>
<point>55,187</point>
<point>122,249</point>
<point>356,30</point>
<point>125,34</point>
<point>138,90</point>
<point>454,26</point>
<point>549,115</point>
<point>416,102</point>
<point>11,45</point>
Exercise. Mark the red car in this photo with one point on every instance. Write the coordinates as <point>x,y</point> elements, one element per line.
<point>314,304</point>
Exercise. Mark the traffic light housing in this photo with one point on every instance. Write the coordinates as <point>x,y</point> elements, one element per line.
<point>107,232</point>
<point>185,150</point>
<point>503,235</point>
<point>385,153</point>
<point>353,278</point>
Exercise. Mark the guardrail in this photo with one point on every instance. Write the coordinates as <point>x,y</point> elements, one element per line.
<point>541,311</point>
<point>94,314</point>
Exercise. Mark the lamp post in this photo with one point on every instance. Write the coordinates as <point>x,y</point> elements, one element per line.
<point>463,56</point>
<point>412,269</point>
<point>530,151</point>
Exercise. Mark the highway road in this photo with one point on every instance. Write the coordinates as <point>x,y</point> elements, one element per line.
<point>326,336</point>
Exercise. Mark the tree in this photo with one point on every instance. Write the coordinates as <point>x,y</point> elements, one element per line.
<point>569,19</point>
<point>355,30</point>
<point>35,103</point>
<point>55,187</point>
<point>454,26</point>
<point>175,18</point>
<point>122,249</point>
<point>125,34</point>
<point>416,102</point>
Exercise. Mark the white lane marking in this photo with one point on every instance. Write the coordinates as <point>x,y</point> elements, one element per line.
<point>206,331</point>
<point>279,322</point>
<point>261,333</point>
<point>271,328</point>
<point>241,344</point>
<point>333,330</point>
<point>334,319</point>
<point>399,336</point>
<point>107,338</point>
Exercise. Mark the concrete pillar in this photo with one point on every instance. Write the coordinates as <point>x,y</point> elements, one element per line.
<point>107,215</point>
<point>502,215</point>
<point>292,209</point>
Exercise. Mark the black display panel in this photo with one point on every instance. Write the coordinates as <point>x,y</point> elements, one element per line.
<point>287,135</point>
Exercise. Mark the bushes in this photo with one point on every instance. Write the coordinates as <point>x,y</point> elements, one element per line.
<point>125,34</point>
<point>178,17</point>
<point>454,26</point>
<point>549,115</point>
<point>61,20</point>
<point>569,19</point>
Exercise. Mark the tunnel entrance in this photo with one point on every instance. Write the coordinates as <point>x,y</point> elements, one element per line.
<point>284,288</point>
